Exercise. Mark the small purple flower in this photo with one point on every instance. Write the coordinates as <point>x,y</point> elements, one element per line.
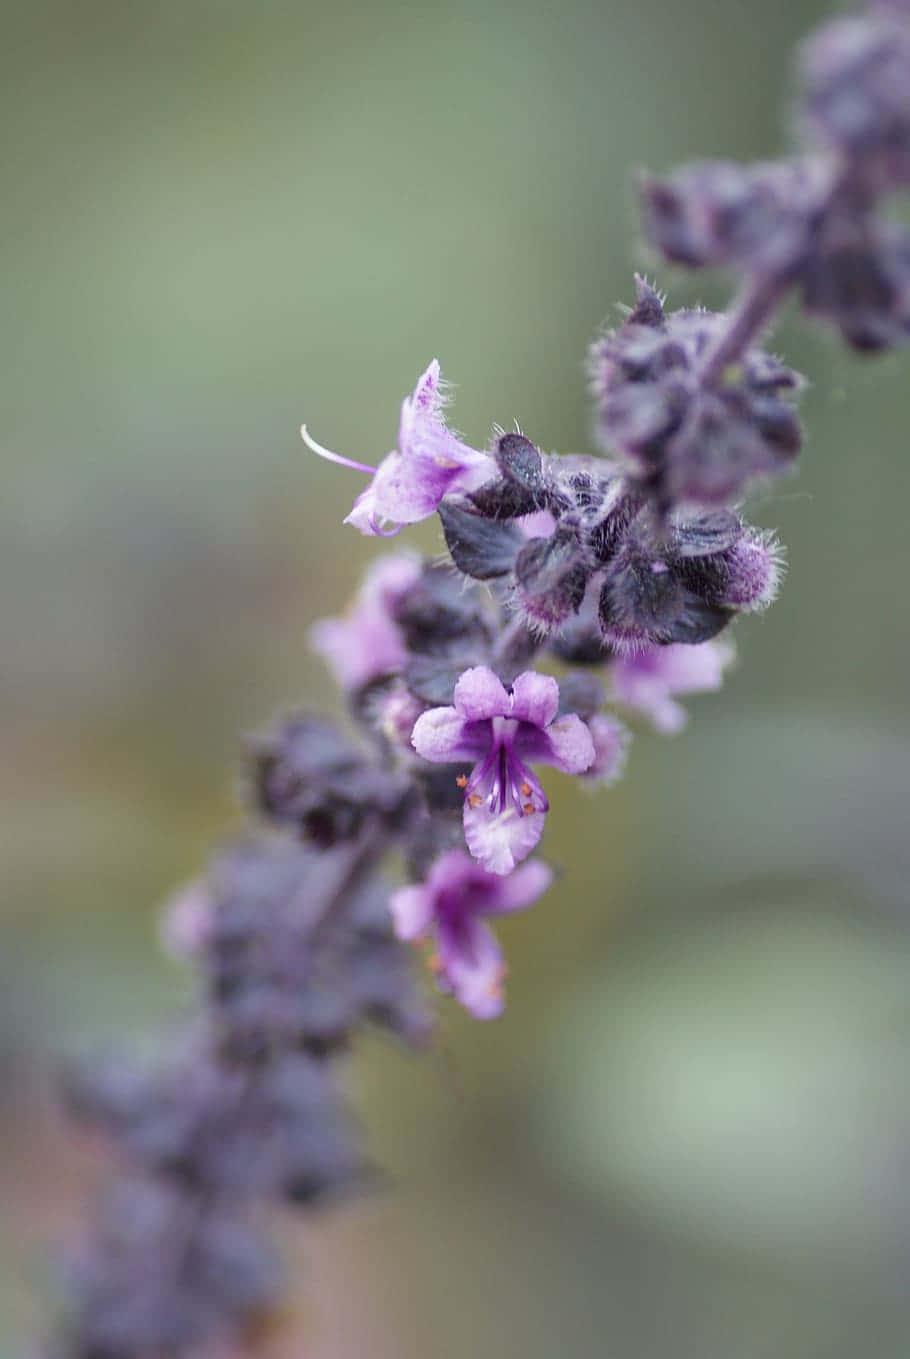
<point>502,732</point>
<point>648,680</point>
<point>450,905</point>
<point>429,463</point>
<point>368,643</point>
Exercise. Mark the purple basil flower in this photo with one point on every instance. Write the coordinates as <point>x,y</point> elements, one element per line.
<point>368,643</point>
<point>649,680</point>
<point>429,462</point>
<point>504,803</point>
<point>451,905</point>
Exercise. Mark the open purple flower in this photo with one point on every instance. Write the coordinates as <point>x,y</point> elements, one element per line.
<point>429,462</point>
<point>451,905</point>
<point>648,680</point>
<point>504,733</point>
<point>367,643</point>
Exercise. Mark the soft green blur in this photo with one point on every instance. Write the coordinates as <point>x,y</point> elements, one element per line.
<point>689,1136</point>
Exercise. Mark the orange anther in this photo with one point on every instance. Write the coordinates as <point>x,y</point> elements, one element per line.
<point>462,780</point>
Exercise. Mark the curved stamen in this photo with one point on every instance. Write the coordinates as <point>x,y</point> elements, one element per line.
<point>327,453</point>
<point>383,532</point>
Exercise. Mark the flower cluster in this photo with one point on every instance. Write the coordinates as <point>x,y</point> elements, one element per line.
<point>573,586</point>
<point>814,224</point>
<point>292,936</point>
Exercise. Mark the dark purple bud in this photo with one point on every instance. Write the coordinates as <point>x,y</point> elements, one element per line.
<point>718,212</point>
<point>521,463</point>
<point>621,508</point>
<point>106,1091</point>
<point>684,440</point>
<point>514,651</point>
<point>639,417</point>
<point>754,567</point>
<point>433,678</point>
<point>684,582</point>
<point>730,438</point>
<point>858,279</point>
<point>643,601</point>
<point>744,576</point>
<point>582,693</point>
<point>550,579</point>
<point>525,484</point>
<point>481,548</point>
<point>703,535</point>
<point>501,498</point>
<point>164,1274</point>
<point>301,950</point>
<point>307,776</point>
<point>440,610</point>
<point>856,74</point>
<point>649,305</point>
<point>580,641</point>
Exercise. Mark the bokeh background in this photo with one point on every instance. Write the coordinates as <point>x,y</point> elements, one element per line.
<point>690,1134</point>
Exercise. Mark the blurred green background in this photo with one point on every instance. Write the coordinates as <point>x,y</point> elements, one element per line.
<point>690,1134</point>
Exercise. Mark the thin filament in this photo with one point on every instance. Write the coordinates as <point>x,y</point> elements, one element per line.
<point>327,453</point>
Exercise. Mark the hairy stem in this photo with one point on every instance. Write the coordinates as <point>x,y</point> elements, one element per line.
<point>756,303</point>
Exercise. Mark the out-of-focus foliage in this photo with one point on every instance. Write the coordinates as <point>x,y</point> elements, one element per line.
<point>689,1134</point>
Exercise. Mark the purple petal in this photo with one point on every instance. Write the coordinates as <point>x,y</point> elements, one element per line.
<point>540,524</point>
<point>423,437</point>
<point>410,483</point>
<point>754,570</point>
<point>500,839</point>
<point>648,680</point>
<point>427,396</point>
<point>364,515</point>
<point>472,964</point>
<point>611,740</point>
<point>456,874</point>
<point>388,580</point>
<point>567,743</point>
<point>360,648</point>
<point>412,911</point>
<point>535,698</point>
<point>443,736</point>
<point>479,694</point>
<point>407,489</point>
<point>396,714</point>
<point>186,921</point>
<point>520,889</point>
